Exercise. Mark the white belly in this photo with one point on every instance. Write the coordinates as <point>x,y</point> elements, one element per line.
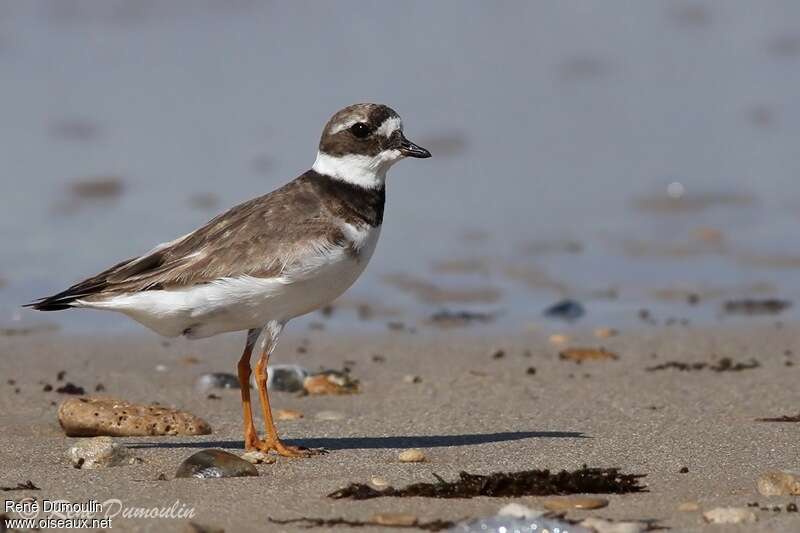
<point>234,304</point>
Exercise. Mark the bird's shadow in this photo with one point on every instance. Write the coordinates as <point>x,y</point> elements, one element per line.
<point>366,443</point>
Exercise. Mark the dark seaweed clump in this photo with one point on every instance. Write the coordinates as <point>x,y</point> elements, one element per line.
<point>447,318</point>
<point>725,364</point>
<point>71,388</point>
<point>28,485</point>
<point>508,485</point>
<point>434,525</point>
<point>756,307</point>
<point>782,418</point>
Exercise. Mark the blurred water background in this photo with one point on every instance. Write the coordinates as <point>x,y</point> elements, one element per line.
<point>626,154</point>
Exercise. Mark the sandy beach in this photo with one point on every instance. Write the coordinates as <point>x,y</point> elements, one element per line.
<point>469,412</point>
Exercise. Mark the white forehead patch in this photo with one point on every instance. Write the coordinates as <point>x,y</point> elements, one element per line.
<point>389,126</point>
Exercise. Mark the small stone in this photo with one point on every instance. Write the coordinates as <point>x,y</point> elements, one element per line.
<point>288,414</point>
<point>329,415</point>
<point>258,457</point>
<point>709,235</point>
<point>379,482</point>
<point>730,515</point>
<point>498,353</point>
<point>531,371</point>
<point>579,355</point>
<point>601,525</point>
<point>100,452</point>
<point>688,507</point>
<point>330,382</point>
<point>605,333</point>
<point>779,483</point>
<point>215,380</point>
<point>286,378</point>
<point>412,379</point>
<point>517,510</point>
<point>393,519</point>
<point>412,455</point>
<point>558,339</point>
<point>566,504</point>
<point>684,470</point>
<point>99,416</point>
<point>214,464</point>
<point>161,368</point>
<point>568,310</point>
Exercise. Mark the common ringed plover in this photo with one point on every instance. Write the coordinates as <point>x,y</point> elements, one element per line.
<point>266,261</point>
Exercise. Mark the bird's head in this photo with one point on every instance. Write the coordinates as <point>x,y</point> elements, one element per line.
<point>360,143</point>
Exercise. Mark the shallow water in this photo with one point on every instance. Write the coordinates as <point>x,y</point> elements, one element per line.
<point>548,123</point>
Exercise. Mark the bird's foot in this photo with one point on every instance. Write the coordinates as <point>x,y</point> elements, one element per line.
<point>252,442</point>
<point>290,451</point>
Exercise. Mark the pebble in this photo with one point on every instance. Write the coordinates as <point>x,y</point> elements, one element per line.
<point>517,510</point>
<point>412,379</point>
<point>497,353</point>
<point>100,452</point>
<point>558,339</point>
<point>214,464</point>
<point>600,525</point>
<point>568,310</point>
<point>379,482</point>
<point>161,368</point>
<point>330,382</point>
<point>605,333</point>
<point>216,380</point>
<point>688,507</point>
<point>394,519</point>
<point>258,457</point>
<point>286,378</point>
<point>99,416</point>
<point>579,355</point>
<point>329,415</point>
<point>288,414</point>
<point>566,504</point>
<point>412,455</point>
<point>730,515</point>
<point>779,483</point>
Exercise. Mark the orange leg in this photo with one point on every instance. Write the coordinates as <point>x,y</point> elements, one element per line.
<point>272,442</point>
<point>251,440</point>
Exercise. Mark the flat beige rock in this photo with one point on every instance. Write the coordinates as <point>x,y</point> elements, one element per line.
<point>730,515</point>
<point>394,519</point>
<point>578,502</point>
<point>104,416</point>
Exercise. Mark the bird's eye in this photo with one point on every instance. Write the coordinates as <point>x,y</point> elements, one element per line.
<point>360,130</point>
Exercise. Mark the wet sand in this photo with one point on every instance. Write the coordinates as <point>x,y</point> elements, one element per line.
<point>470,412</point>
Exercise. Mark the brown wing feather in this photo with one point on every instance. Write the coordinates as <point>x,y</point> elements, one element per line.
<point>249,239</point>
